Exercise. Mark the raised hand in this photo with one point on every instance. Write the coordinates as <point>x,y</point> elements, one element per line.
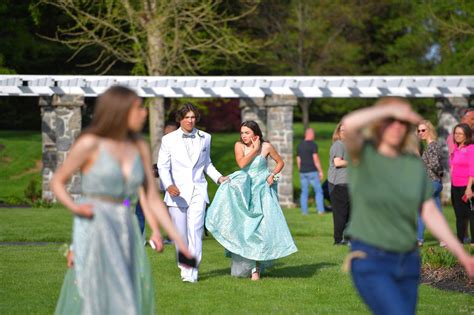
<point>256,143</point>
<point>403,112</point>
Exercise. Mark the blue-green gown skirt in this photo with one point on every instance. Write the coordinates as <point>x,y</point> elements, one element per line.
<point>111,273</point>
<point>245,217</point>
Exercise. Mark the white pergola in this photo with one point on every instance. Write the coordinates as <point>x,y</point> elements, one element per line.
<point>269,100</point>
<point>242,86</point>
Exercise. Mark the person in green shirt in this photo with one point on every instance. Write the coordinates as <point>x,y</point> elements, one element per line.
<point>388,185</point>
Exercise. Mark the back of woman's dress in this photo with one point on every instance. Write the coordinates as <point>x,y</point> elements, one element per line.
<point>246,218</point>
<point>111,273</point>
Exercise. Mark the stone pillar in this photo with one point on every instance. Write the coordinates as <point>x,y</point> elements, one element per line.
<point>48,149</point>
<point>450,111</point>
<point>254,109</point>
<point>280,134</point>
<point>61,125</point>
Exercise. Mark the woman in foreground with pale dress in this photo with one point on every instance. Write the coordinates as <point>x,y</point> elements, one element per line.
<point>111,273</point>
<point>245,216</point>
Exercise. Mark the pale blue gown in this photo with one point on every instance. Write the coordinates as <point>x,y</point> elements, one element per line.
<point>111,273</point>
<point>246,218</point>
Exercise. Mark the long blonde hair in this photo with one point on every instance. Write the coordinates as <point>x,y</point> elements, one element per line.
<point>336,135</point>
<point>429,128</point>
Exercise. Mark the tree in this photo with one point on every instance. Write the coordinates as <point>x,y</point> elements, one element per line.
<point>159,37</point>
<point>314,37</point>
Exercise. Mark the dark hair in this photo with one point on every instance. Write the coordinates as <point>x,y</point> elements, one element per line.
<point>254,127</point>
<point>171,123</point>
<point>467,133</point>
<point>111,111</point>
<point>186,108</point>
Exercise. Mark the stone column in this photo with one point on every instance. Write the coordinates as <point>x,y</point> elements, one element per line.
<point>48,149</point>
<point>254,109</point>
<point>280,135</point>
<point>62,123</point>
<point>450,111</point>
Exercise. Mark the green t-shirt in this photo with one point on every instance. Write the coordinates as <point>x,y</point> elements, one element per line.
<point>386,195</point>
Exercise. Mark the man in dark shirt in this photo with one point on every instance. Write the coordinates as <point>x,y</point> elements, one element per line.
<point>311,172</point>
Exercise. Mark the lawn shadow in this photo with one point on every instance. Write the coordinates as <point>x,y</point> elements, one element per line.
<point>214,273</point>
<point>301,271</point>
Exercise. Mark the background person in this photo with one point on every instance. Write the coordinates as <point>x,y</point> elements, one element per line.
<point>388,185</point>
<point>311,173</point>
<point>338,188</point>
<point>245,216</point>
<point>461,162</point>
<point>431,157</point>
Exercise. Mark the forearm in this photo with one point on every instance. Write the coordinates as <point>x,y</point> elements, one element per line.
<point>58,187</point>
<point>278,167</point>
<point>340,163</point>
<point>161,212</point>
<point>359,119</point>
<point>317,163</point>
<point>246,159</point>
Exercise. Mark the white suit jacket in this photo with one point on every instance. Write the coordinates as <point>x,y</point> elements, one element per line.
<point>175,167</point>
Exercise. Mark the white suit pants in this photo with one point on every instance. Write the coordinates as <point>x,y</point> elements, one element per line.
<point>190,224</point>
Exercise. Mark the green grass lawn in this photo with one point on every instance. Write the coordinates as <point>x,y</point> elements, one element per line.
<point>307,282</point>
<point>19,163</point>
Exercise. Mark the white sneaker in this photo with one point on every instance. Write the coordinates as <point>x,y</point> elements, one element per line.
<point>190,280</point>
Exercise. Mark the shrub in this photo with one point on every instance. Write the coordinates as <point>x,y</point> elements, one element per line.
<point>436,257</point>
<point>32,192</point>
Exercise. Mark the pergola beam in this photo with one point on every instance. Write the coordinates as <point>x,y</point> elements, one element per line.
<point>242,86</point>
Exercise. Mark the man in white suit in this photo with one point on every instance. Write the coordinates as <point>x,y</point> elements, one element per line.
<point>183,159</point>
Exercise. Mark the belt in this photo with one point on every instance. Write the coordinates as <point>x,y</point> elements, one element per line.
<point>105,198</point>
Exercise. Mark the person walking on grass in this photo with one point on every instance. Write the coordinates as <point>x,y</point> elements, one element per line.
<point>245,216</point>
<point>388,185</point>
<point>311,172</point>
<point>183,160</point>
<point>338,188</point>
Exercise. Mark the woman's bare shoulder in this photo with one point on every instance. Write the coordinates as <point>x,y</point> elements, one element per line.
<point>87,142</point>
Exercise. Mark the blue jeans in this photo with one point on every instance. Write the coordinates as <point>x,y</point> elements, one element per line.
<point>437,188</point>
<point>386,281</point>
<point>313,179</point>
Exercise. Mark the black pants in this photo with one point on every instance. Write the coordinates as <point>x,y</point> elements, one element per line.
<point>463,212</point>
<point>340,209</point>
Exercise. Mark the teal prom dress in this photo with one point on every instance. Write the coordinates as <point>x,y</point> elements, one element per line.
<point>246,218</point>
<point>111,273</point>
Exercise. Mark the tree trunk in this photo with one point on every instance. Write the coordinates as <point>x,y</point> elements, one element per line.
<point>304,105</point>
<point>157,124</point>
<point>154,64</point>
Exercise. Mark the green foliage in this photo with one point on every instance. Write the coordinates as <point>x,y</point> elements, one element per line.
<point>437,257</point>
<point>19,164</point>
<point>33,191</point>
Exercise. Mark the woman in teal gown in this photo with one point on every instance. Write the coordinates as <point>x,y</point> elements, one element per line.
<point>245,216</point>
<point>110,272</point>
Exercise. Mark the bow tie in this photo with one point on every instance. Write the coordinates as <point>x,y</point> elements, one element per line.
<point>188,136</point>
